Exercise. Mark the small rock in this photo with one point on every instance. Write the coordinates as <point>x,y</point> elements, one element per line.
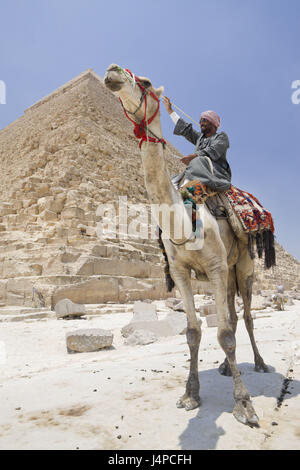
<point>158,327</point>
<point>171,302</point>
<point>140,337</point>
<point>179,306</point>
<point>88,340</point>
<point>66,308</point>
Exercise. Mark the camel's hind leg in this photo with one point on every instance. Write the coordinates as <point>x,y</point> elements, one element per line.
<point>191,398</point>
<point>245,271</point>
<point>243,410</point>
<point>224,368</point>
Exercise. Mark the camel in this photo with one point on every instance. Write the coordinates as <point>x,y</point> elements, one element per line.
<point>222,259</point>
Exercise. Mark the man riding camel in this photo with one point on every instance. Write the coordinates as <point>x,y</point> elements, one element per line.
<point>208,164</point>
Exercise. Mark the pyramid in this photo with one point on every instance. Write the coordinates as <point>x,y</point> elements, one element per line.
<point>70,153</point>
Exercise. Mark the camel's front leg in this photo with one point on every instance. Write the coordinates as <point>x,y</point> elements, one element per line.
<point>243,410</point>
<point>191,398</point>
<point>244,270</point>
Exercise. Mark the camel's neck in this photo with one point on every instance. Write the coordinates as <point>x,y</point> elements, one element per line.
<point>158,183</point>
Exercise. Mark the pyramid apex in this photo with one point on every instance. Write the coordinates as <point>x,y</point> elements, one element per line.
<point>86,75</point>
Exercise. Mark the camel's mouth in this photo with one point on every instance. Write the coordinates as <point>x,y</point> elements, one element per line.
<point>113,78</point>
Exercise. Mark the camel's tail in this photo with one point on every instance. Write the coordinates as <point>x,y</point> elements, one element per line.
<point>169,281</point>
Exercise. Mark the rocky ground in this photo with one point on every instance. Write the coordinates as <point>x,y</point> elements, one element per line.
<point>124,397</point>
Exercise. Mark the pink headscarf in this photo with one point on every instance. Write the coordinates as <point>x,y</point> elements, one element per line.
<point>212,117</point>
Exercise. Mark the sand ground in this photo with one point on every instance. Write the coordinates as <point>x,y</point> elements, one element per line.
<point>124,397</point>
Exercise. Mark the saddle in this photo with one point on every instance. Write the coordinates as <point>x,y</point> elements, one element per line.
<point>196,192</point>
<point>244,212</point>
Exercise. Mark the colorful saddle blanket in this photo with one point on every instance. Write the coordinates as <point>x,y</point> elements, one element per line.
<point>252,215</point>
<point>253,218</point>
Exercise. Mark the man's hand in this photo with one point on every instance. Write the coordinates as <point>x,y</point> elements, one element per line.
<point>186,160</point>
<point>167,104</point>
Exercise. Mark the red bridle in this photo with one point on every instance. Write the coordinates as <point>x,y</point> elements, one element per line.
<point>141,128</point>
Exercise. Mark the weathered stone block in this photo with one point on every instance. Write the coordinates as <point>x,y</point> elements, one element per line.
<point>66,308</point>
<point>143,311</point>
<point>94,291</point>
<point>7,208</point>
<point>209,309</point>
<point>42,190</point>
<point>212,320</point>
<point>159,327</point>
<point>88,340</point>
<point>48,216</point>
<point>179,306</point>
<point>178,321</point>
<point>71,212</point>
<point>171,302</point>
<point>140,337</point>
<point>100,251</point>
<point>114,267</point>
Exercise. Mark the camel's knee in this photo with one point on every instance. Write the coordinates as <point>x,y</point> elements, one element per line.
<point>248,320</point>
<point>193,336</point>
<point>245,286</point>
<point>226,339</point>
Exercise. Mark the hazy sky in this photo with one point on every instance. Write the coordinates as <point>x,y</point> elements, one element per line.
<point>237,57</point>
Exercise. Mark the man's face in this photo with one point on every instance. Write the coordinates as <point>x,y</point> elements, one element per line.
<point>206,126</point>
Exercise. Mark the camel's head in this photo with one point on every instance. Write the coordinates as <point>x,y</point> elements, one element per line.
<point>124,84</point>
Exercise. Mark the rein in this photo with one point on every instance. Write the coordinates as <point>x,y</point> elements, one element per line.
<point>141,128</point>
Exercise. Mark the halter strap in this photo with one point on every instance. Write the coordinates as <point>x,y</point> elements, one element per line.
<point>141,128</point>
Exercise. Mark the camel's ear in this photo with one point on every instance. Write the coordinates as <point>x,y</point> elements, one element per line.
<point>159,91</point>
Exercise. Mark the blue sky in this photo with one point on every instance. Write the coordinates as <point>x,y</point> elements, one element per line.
<point>238,57</point>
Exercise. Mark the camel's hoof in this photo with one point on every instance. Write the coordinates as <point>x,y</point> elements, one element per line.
<point>224,369</point>
<point>260,366</point>
<point>245,413</point>
<point>188,403</point>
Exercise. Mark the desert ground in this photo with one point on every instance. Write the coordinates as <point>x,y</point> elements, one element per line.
<point>124,397</point>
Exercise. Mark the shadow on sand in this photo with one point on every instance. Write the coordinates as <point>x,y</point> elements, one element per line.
<point>216,392</point>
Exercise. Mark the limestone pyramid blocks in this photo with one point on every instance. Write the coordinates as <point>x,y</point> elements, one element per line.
<point>72,151</point>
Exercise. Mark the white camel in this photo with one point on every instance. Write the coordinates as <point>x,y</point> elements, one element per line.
<point>223,259</point>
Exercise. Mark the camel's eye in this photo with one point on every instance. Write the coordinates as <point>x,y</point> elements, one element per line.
<point>146,83</point>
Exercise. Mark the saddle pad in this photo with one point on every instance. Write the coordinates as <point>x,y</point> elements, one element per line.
<point>252,215</point>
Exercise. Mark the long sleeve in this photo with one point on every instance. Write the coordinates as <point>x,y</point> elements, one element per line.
<point>174,116</point>
<point>217,147</point>
<point>187,131</point>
